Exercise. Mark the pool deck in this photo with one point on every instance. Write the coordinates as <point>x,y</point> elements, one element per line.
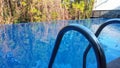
<point>106,13</point>
<point>114,64</point>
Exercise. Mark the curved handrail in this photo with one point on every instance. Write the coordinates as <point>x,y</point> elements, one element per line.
<point>91,38</point>
<point>111,21</point>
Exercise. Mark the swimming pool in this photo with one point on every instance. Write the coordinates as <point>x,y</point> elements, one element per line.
<point>29,45</point>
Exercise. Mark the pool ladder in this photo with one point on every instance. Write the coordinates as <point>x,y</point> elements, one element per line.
<point>101,60</point>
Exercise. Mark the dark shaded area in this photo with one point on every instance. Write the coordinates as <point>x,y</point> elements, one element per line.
<point>114,64</point>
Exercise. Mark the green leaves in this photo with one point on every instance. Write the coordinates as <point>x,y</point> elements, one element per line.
<point>54,15</point>
<point>78,9</point>
<point>23,3</point>
<point>80,6</point>
<point>66,4</point>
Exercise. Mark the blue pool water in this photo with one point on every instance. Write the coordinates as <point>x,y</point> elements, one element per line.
<point>29,45</point>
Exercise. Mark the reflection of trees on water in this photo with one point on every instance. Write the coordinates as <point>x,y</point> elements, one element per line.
<point>24,42</point>
<point>29,45</point>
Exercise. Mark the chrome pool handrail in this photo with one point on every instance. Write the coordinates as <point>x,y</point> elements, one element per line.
<point>111,21</point>
<point>101,61</point>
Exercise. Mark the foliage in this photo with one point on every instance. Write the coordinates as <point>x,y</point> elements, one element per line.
<point>16,11</point>
<point>79,9</point>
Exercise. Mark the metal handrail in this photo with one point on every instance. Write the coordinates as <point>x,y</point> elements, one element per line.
<point>111,21</point>
<point>101,61</point>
